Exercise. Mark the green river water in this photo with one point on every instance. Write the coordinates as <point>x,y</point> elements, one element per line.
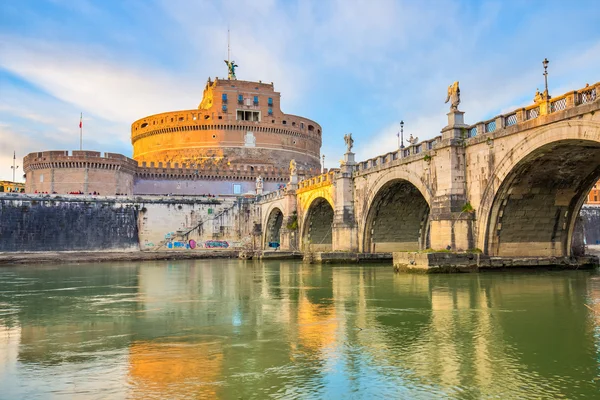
<point>247,330</point>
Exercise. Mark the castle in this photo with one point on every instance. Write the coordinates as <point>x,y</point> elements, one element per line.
<point>237,134</point>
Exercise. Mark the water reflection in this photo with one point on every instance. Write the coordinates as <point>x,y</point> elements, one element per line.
<point>233,329</point>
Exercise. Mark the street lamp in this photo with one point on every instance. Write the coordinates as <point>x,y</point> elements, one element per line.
<point>401,136</point>
<point>545,64</point>
<point>323,165</point>
<point>14,166</point>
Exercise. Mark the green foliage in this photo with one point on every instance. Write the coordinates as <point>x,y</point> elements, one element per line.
<point>292,222</point>
<point>427,158</point>
<point>468,208</point>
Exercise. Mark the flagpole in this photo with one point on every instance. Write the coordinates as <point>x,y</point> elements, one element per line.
<point>81,132</point>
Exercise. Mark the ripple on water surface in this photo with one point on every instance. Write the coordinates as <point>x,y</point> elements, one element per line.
<point>230,329</point>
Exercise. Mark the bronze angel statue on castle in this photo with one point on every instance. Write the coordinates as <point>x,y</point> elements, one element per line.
<point>453,96</point>
<point>231,66</point>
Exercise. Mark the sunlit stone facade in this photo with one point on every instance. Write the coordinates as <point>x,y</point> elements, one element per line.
<point>238,123</point>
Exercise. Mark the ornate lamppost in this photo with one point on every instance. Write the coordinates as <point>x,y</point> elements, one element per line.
<point>545,64</point>
<point>14,166</point>
<point>401,136</point>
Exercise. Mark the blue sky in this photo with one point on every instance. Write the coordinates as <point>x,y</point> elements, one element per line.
<point>353,66</point>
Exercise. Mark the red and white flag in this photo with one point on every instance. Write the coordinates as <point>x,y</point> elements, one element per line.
<point>81,121</point>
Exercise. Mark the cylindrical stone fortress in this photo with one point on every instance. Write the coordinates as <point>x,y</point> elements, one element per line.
<point>237,123</point>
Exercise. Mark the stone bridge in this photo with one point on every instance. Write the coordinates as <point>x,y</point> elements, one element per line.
<point>511,186</point>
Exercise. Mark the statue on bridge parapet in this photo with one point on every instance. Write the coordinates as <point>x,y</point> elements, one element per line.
<point>349,142</point>
<point>453,96</point>
<point>259,184</point>
<point>413,140</point>
<point>293,172</point>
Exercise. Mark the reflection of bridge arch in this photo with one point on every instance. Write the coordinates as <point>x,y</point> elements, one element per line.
<point>317,225</point>
<point>396,211</point>
<point>531,205</point>
<point>273,225</point>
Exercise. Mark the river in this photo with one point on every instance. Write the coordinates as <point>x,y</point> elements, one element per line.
<point>247,330</point>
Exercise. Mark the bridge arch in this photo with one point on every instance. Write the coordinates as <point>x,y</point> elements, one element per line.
<point>396,216</point>
<point>317,232</point>
<point>531,205</point>
<point>272,227</point>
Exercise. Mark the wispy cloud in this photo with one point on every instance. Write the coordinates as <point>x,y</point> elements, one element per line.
<point>352,65</point>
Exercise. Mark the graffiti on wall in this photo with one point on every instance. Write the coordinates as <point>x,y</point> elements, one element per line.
<point>216,244</point>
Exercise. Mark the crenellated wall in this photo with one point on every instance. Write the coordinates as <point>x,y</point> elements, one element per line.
<point>86,171</point>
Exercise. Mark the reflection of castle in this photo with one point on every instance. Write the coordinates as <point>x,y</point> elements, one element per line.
<point>237,133</point>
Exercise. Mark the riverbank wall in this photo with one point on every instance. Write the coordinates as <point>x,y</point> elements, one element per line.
<point>31,223</point>
<point>590,217</point>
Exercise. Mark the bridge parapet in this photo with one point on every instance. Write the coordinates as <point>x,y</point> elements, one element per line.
<point>319,180</point>
<point>575,98</point>
<point>278,194</point>
<point>400,156</point>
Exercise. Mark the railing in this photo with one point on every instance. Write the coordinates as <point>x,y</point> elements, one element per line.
<point>510,120</point>
<point>587,95</point>
<point>326,177</point>
<point>558,105</point>
<point>532,113</point>
<point>272,195</point>
<point>490,126</point>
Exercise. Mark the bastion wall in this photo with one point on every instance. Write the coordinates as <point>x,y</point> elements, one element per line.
<point>96,223</point>
<point>86,171</point>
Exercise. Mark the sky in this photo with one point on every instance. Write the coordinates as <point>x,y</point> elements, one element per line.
<point>358,66</point>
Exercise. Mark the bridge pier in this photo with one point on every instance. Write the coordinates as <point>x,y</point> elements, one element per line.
<point>451,220</point>
<point>344,228</point>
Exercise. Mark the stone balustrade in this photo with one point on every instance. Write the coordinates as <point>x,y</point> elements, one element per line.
<point>399,156</point>
<point>277,194</point>
<point>555,104</point>
<point>327,177</point>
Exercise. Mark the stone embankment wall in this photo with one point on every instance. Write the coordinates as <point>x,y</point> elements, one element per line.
<point>590,215</point>
<point>91,223</point>
<point>39,224</point>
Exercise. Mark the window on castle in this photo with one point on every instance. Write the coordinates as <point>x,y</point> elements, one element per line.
<point>270,111</point>
<point>293,124</point>
<point>301,125</point>
<point>224,97</point>
<point>255,100</point>
<point>237,188</point>
<point>247,115</point>
<point>145,124</point>
<point>181,118</point>
<point>240,99</point>
<point>270,101</point>
<point>284,122</point>
<point>311,128</point>
<point>224,107</point>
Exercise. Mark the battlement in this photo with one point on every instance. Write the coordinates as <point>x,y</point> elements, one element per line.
<point>78,159</point>
<point>215,172</point>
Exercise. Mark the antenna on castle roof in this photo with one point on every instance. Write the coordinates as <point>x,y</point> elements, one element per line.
<point>230,64</point>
